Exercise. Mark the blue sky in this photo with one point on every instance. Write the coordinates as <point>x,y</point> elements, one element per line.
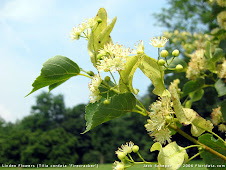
<point>31,31</point>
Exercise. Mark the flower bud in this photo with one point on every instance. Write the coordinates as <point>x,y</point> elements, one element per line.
<point>107,102</point>
<point>99,20</point>
<point>136,91</point>
<point>175,53</point>
<point>135,148</point>
<point>107,78</point>
<point>121,155</point>
<point>188,104</point>
<point>164,53</point>
<point>99,56</point>
<point>120,166</point>
<point>200,148</point>
<point>161,62</point>
<point>168,119</point>
<point>90,73</point>
<point>179,67</point>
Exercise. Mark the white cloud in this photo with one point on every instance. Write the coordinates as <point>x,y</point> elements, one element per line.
<point>5,113</point>
<point>26,10</point>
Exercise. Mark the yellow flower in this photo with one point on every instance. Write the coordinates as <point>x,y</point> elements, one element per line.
<point>140,47</point>
<point>157,42</point>
<point>94,89</point>
<point>113,57</point>
<point>221,3</point>
<point>221,19</point>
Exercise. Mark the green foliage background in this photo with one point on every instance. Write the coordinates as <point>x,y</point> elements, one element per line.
<point>52,135</point>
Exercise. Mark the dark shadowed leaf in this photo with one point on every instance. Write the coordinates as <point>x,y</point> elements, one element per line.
<point>55,71</point>
<point>98,113</point>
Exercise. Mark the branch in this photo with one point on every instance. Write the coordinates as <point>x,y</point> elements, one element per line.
<point>197,142</point>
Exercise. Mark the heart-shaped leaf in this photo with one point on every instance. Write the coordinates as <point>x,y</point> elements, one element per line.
<point>55,71</point>
<point>98,113</point>
<point>217,145</point>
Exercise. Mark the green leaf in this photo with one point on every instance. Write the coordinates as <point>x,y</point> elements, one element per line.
<point>223,109</point>
<point>218,54</point>
<point>220,87</point>
<point>171,156</point>
<point>53,86</point>
<point>216,145</point>
<point>126,75</point>
<point>177,105</point>
<point>156,147</point>
<point>208,52</point>
<point>55,71</point>
<point>200,125</point>
<point>155,73</point>
<point>100,34</point>
<point>101,15</point>
<point>211,63</point>
<point>104,36</point>
<point>98,113</point>
<point>192,86</point>
<point>91,51</point>
<point>196,95</point>
<point>174,63</point>
<point>97,28</point>
<point>103,90</point>
<point>188,104</point>
<point>222,45</point>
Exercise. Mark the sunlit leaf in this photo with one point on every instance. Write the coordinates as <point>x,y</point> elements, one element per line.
<point>208,52</point>
<point>220,87</point>
<point>155,73</point>
<point>177,105</point>
<point>156,147</point>
<point>198,124</point>
<point>126,75</point>
<point>100,34</point>
<point>171,156</point>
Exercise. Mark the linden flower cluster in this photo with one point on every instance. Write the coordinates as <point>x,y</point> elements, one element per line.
<point>94,88</point>
<point>127,148</point>
<point>196,65</point>
<point>221,3</point>
<point>118,165</point>
<point>140,47</point>
<point>77,31</point>
<point>221,19</point>
<point>217,119</point>
<point>188,41</point>
<point>113,57</point>
<point>221,70</point>
<point>159,42</point>
<point>161,113</point>
<point>121,153</point>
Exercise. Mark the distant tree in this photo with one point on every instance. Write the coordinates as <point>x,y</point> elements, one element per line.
<point>189,15</point>
<point>51,147</point>
<point>48,113</point>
